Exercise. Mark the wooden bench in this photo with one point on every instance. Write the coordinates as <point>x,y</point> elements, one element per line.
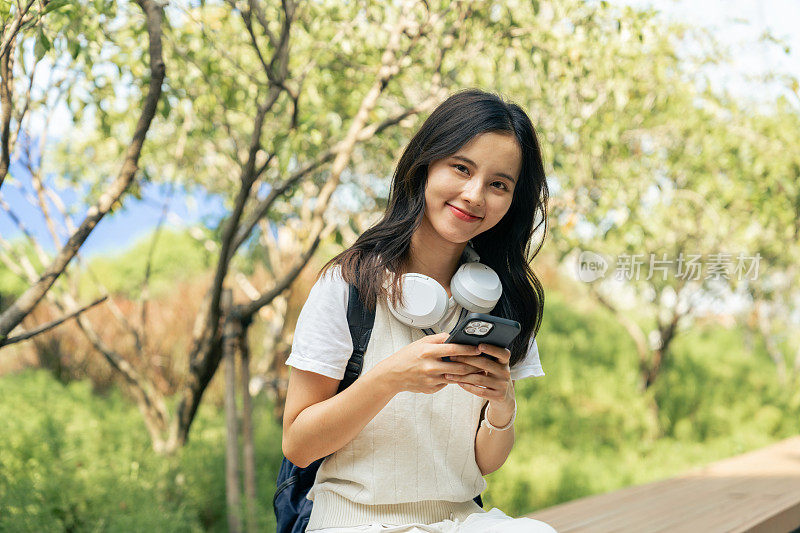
<point>757,491</point>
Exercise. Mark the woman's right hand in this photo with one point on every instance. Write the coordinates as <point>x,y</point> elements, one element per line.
<point>418,367</point>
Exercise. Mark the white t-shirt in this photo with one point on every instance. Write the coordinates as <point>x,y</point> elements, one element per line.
<point>322,342</point>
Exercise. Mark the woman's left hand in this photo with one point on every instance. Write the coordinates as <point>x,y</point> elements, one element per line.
<point>495,376</point>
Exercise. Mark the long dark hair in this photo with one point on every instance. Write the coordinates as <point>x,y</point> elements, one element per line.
<point>505,247</point>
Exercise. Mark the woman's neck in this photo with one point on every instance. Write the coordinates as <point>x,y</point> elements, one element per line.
<point>435,257</point>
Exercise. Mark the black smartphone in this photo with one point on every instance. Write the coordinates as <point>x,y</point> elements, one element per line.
<point>480,328</point>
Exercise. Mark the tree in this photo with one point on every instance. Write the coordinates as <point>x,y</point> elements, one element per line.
<point>293,114</point>
<point>645,158</point>
<point>296,159</point>
<point>23,305</point>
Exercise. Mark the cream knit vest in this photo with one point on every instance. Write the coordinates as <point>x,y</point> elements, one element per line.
<point>413,462</point>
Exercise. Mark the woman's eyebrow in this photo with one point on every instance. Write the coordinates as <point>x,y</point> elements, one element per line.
<point>471,162</point>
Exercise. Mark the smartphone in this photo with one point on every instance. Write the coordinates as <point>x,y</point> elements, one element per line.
<point>480,328</point>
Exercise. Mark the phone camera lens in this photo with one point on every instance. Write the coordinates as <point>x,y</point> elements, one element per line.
<point>478,328</point>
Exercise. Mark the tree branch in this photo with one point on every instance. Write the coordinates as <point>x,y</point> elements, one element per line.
<point>49,325</point>
<point>263,206</point>
<point>6,87</point>
<point>25,303</point>
<point>248,310</point>
<point>630,326</point>
<point>5,46</point>
<point>389,67</point>
<point>255,7</point>
<point>205,353</point>
<point>150,403</point>
<point>26,106</point>
<point>23,265</point>
<point>144,287</point>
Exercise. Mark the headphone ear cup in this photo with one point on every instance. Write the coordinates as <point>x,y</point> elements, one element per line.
<point>476,287</point>
<point>425,301</point>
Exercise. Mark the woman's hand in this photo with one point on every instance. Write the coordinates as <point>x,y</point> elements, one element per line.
<point>492,380</point>
<point>418,367</point>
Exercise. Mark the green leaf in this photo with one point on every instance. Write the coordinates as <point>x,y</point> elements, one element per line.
<point>74,49</point>
<point>166,107</point>
<point>55,4</point>
<point>42,45</point>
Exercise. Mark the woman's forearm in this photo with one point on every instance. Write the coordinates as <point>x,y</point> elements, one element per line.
<point>325,427</point>
<point>492,447</point>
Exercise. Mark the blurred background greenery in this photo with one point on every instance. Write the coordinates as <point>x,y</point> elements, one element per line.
<point>646,152</point>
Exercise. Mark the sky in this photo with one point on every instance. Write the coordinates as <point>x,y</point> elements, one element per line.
<point>116,232</point>
<point>736,23</point>
<point>741,25</point>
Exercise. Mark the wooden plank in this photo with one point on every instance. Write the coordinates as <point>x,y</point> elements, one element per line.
<point>607,508</point>
<point>724,511</point>
<point>756,491</point>
<point>787,520</point>
<point>659,507</point>
<point>600,505</point>
<point>758,510</point>
<point>694,499</point>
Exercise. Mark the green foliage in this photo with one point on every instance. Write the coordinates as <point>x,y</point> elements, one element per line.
<point>585,428</point>
<point>618,117</point>
<point>73,461</point>
<point>177,257</point>
<point>11,284</point>
<point>689,408</point>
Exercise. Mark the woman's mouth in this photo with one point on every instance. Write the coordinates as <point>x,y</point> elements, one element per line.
<point>462,215</point>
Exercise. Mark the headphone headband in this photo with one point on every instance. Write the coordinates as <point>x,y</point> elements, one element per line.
<point>475,286</point>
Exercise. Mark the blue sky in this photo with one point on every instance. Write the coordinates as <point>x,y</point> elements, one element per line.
<point>118,231</point>
<point>737,23</point>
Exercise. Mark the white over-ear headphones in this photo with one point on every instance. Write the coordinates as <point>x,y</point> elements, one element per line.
<point>475,286</point>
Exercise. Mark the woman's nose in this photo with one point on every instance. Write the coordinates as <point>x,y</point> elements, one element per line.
<point>473,192</point>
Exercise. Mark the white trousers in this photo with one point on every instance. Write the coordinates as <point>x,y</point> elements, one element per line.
<point>494,521</point>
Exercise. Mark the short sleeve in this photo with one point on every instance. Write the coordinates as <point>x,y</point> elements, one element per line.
<point>530,364</point>
<point>322,342</point>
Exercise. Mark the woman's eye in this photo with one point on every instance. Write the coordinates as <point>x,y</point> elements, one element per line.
<point>505,187</point>
<point>461,168</point>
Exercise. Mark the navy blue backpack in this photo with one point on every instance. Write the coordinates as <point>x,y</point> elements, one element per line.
<point>292,509</point>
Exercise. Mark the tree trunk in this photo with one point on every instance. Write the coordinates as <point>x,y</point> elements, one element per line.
<point>774,351</point>
<point>232,491</point>
<point>247,435</point>
<point>796,368</point>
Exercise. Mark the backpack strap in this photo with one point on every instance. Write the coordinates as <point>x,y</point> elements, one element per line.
<point>360,321</point>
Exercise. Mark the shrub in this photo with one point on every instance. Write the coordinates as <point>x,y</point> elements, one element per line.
<point>71,460</point>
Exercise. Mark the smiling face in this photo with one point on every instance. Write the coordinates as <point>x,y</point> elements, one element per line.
<point>479,179</point>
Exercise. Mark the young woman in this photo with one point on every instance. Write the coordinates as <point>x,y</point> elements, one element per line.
<point>407,452</point>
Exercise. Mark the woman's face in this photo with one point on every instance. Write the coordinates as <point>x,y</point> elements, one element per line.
<point>478,179</point>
